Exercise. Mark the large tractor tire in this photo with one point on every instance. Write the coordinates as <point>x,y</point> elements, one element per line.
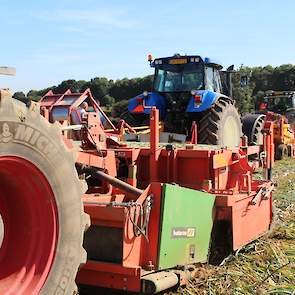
<point>253,125</point>
<point>281,152</point>
<point>42,221</point>
<point>221,125</point>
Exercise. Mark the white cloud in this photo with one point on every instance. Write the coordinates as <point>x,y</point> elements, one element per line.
<point>73,29</point>
<point>95,18</point>
<point>55,57</point>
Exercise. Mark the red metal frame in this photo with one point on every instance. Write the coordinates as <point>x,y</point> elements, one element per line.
<point>138,253</point>
<point>50,101</point>
<point>244,203</point>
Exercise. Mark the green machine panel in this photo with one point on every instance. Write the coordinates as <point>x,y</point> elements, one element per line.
<point>186,225</point>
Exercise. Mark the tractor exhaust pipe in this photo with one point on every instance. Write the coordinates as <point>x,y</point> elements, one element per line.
<point>229,83</point>
<point>94,172</point>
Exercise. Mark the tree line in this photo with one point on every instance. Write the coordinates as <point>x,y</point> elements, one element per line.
<point>249,84</point>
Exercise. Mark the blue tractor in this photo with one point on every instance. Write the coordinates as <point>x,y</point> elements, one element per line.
<point>191,88</point>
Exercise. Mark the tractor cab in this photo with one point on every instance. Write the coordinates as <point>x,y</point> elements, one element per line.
<point>182,85</point>
<point>281,102</point>
<point>186,74</point>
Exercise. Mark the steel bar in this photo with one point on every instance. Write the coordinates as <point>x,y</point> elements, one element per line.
<point>125,187</point>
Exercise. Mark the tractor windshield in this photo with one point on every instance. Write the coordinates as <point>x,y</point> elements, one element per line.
<point>280,103</point>
<point>179,78</point>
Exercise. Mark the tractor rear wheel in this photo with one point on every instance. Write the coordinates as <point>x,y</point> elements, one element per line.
<point>221,125</point>
<point>253,125</point>
<point>42,222</point>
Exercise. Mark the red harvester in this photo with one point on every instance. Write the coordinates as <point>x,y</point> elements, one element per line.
<point>156,209</point>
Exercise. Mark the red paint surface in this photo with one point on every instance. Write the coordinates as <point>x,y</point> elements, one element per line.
<point>225,173</point>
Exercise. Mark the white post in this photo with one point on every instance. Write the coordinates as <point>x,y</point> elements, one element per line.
<point>7,71</point>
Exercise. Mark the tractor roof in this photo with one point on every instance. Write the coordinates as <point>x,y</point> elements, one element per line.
<point>184,59</point>
<point>271,93</point>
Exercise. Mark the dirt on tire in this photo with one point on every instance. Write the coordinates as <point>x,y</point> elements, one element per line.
<point>221,125</point>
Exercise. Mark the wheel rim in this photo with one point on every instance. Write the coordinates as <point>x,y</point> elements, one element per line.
<point>1,230</point>
<point>231,132</point>
<point>28,226</point>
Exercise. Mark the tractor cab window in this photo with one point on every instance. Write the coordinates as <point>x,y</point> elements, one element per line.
<point>279,103</point>
<point>209,79</point>
<point>212,79</point>
<point>217,81</point>
<point>179,78</point>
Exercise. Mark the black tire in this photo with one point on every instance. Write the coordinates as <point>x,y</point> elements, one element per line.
<point>135,120</point>
<point>253,125</point>
<point>221,125</point>
<point>56,163</point>
<point>290,151</point>
<point>281,152</point>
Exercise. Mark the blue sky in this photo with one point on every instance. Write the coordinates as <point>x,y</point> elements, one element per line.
<point>49,41</point>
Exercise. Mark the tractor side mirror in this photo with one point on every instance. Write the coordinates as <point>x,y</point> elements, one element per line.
<point>229,85</point>
<point>230,68</point>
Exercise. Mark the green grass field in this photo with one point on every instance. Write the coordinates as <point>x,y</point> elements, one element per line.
<point>266,266</point>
